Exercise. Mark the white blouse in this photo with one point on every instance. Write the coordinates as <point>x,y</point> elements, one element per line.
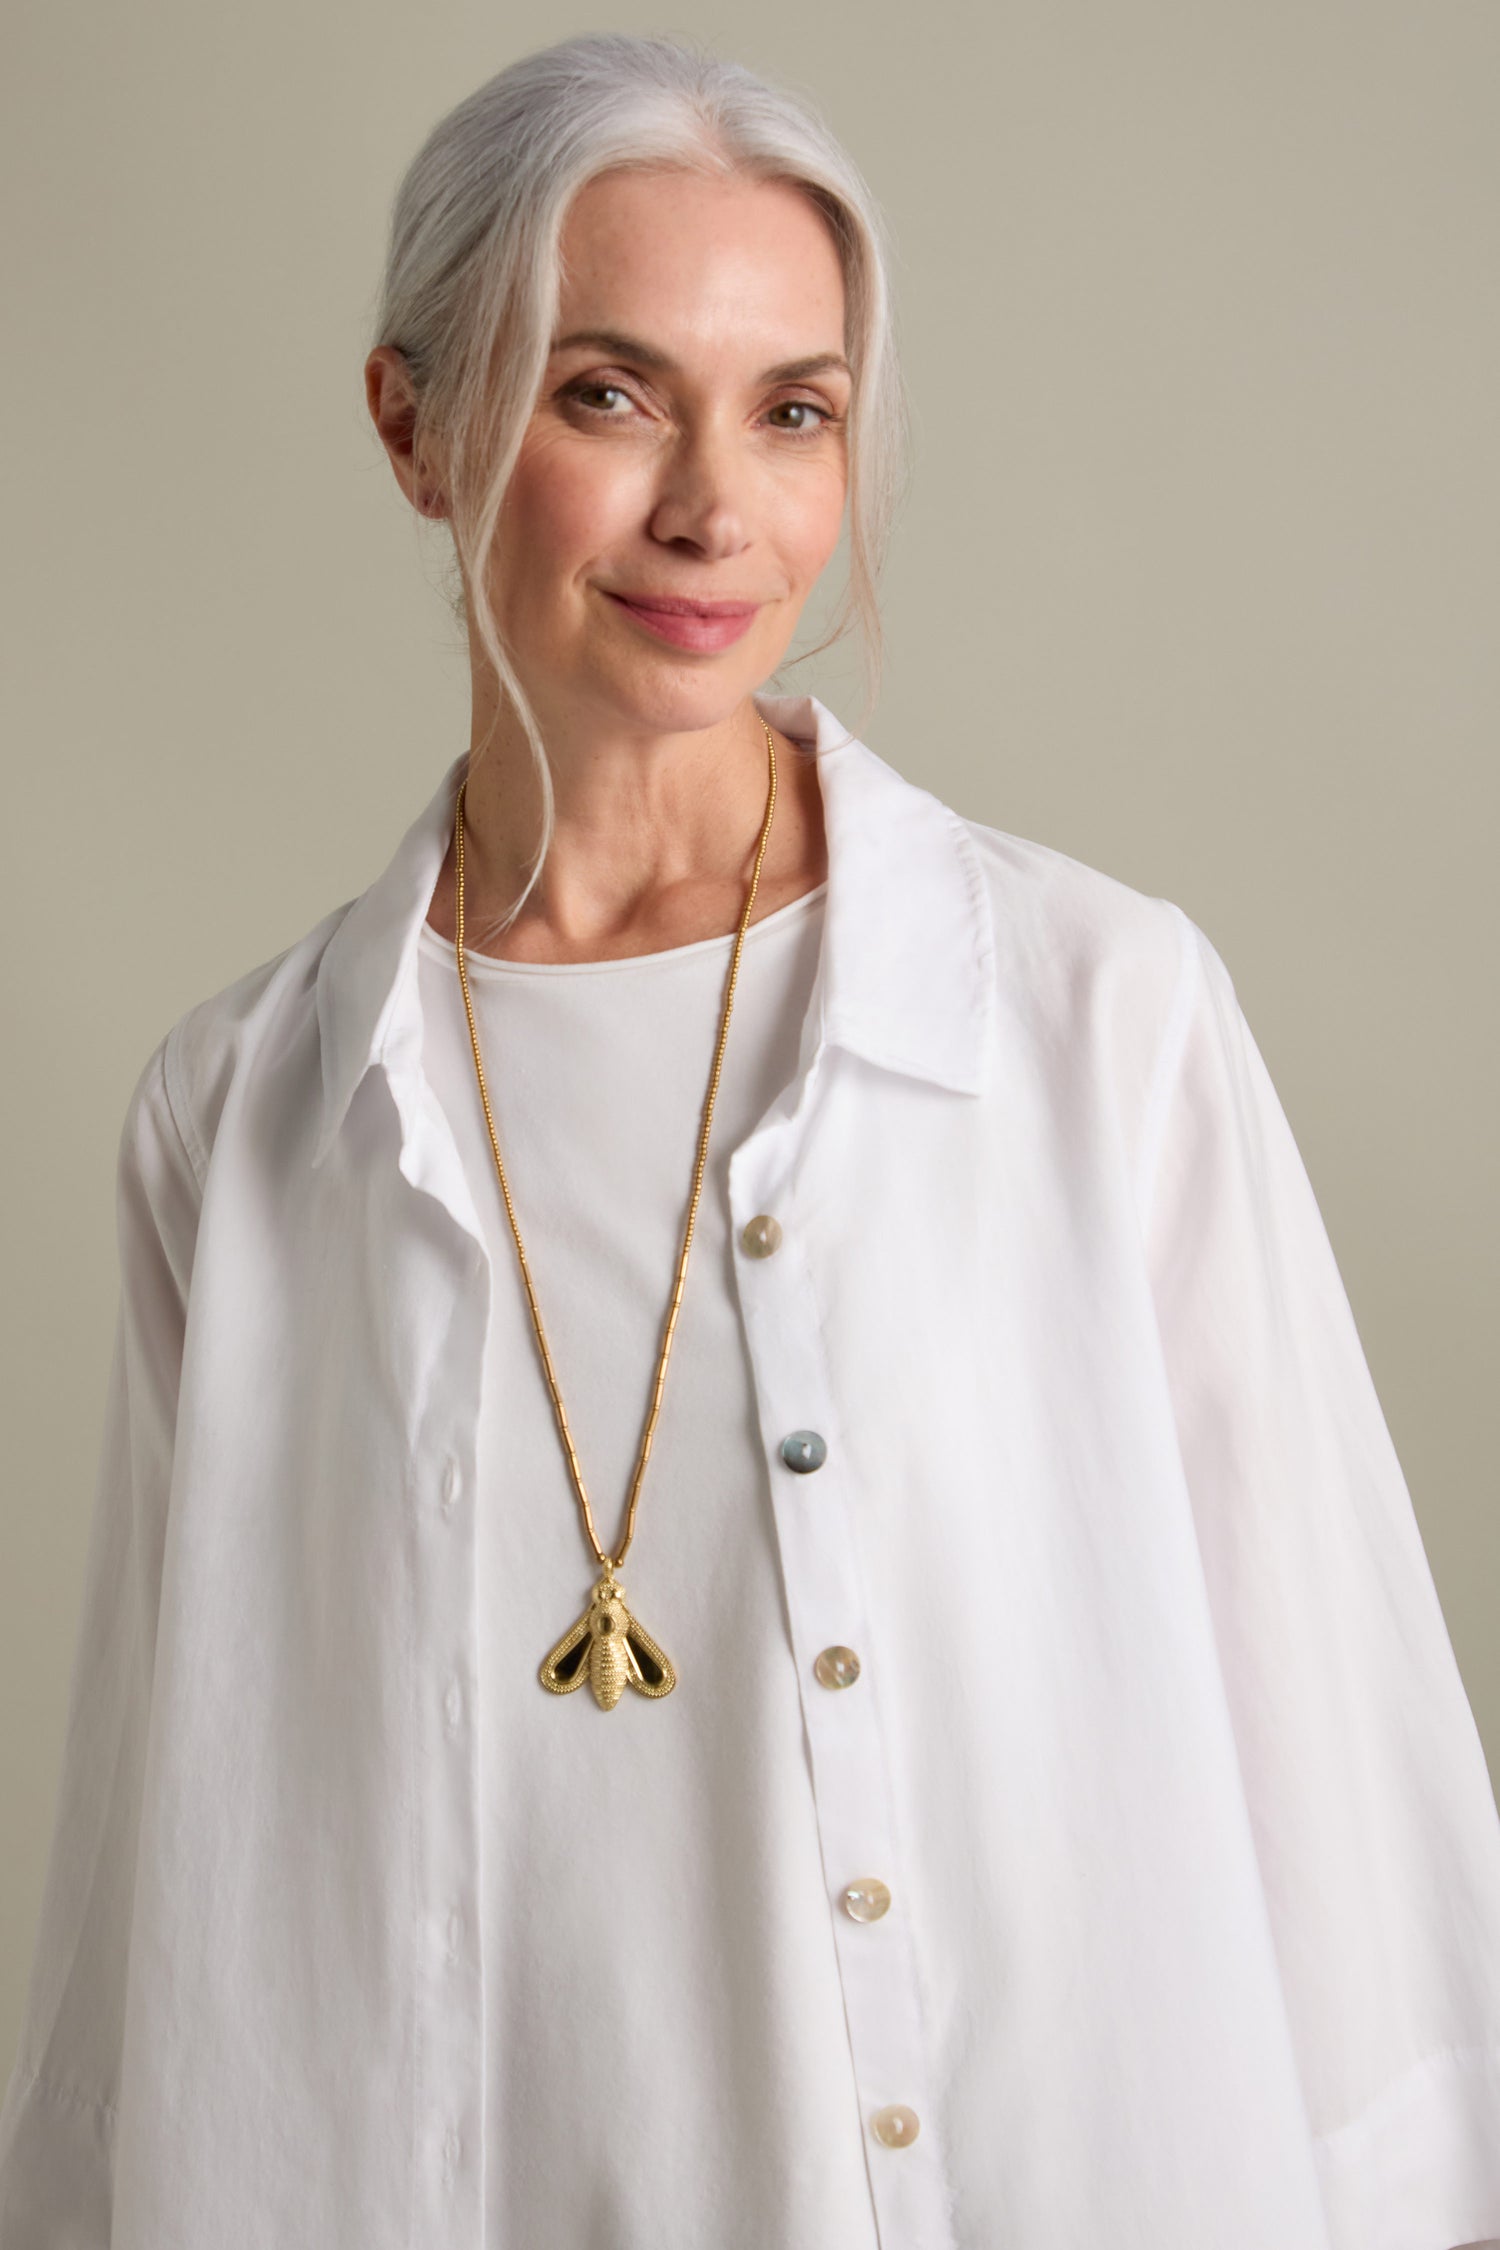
<point>1102,1624</point>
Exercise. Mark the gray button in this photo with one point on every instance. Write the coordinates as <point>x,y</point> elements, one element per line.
<point>804,1450</point>
<point>761,1236</point>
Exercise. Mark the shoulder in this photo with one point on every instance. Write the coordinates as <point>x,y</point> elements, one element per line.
<point>1073,938</point>
<point>1098,981</point>
<point>268,1010</point>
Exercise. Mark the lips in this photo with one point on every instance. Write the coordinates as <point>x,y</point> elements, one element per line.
<point>678,605</point>
<point>700,626</point>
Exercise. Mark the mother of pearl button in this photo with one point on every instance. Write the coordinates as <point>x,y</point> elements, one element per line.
<point>896,2125</point>
<point>866,1900</point>
<point>760,1235</point>
<point>836,1667</point>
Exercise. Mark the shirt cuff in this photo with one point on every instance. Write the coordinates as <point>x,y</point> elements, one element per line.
<point>1419,2169</point>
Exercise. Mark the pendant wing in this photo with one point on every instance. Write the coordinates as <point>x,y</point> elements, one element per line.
<point>651,1671</point>
<point>566,1666</point>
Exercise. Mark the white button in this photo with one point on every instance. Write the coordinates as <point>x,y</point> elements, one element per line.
<point>896,2125</point>
<point>453,1703</point>
<point>450,1483</point>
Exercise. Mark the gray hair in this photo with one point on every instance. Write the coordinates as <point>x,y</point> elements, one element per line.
<point>471,284</point>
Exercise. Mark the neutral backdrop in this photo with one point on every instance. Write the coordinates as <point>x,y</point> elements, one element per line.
<point>1197,580</point>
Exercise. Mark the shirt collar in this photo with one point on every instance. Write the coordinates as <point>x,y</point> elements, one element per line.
<point>906,977</point>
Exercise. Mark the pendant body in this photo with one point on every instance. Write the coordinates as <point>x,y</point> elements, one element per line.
<point>609,1649</point>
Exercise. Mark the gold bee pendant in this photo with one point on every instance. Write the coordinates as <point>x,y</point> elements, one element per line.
<point>608,1649</point>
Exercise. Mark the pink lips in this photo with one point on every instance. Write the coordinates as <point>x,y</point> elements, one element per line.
<point>687,624</point>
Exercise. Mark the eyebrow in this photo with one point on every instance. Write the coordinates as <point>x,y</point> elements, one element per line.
<point>630,347</point>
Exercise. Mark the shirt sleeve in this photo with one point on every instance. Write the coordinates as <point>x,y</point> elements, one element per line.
<point>1373,1812</point>
<point>57,2120</point>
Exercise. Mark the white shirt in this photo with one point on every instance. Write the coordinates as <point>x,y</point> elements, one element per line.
<point>1150,1722</point>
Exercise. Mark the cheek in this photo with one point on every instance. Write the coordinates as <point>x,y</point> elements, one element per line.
<point>565,503</point>
<point>812,520</point>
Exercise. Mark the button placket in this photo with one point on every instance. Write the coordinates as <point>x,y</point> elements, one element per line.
<point>815,1521</point>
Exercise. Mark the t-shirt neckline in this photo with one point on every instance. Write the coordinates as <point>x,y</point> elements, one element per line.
<point>486,965</point>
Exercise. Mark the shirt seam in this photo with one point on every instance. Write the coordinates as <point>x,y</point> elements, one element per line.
<point>982,916</point>
<point>1168,1064</point>
<point>1396,2092</point>
<point>68,2097</point>
<point>178,1104</point>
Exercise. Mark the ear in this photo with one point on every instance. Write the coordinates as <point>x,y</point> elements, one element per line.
<point>392,400</point>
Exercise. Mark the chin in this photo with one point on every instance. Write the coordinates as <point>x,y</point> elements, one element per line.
<point>683,697</point>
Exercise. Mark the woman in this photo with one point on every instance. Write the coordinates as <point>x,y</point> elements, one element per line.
<point>1018,1789</point>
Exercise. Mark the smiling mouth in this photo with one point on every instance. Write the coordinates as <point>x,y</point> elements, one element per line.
<point>675,605</point>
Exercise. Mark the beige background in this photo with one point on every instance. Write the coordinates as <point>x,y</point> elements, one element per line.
<point>1198,580</point>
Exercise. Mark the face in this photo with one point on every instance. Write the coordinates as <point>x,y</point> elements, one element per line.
<point>688,445</point>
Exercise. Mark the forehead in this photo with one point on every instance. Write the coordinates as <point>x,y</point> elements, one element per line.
<point>682,259</point>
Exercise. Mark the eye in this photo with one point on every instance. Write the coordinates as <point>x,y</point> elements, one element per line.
<point>579,391</point>
<point>824,414</point>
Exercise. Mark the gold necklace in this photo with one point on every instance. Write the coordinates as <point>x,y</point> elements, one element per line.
<point>606,1646</point>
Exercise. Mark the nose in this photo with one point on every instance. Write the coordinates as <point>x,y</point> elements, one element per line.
<point>701,497</point>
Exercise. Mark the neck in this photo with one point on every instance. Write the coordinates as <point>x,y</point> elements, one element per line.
<point>653,844</point>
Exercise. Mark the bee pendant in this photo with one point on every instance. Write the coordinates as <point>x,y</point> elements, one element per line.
<point>608,1649</point>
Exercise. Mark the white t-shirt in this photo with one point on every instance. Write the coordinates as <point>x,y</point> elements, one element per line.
<point>688,1821</point>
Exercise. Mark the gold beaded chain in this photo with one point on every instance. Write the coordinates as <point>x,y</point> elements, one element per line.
<point>606,1645</point>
